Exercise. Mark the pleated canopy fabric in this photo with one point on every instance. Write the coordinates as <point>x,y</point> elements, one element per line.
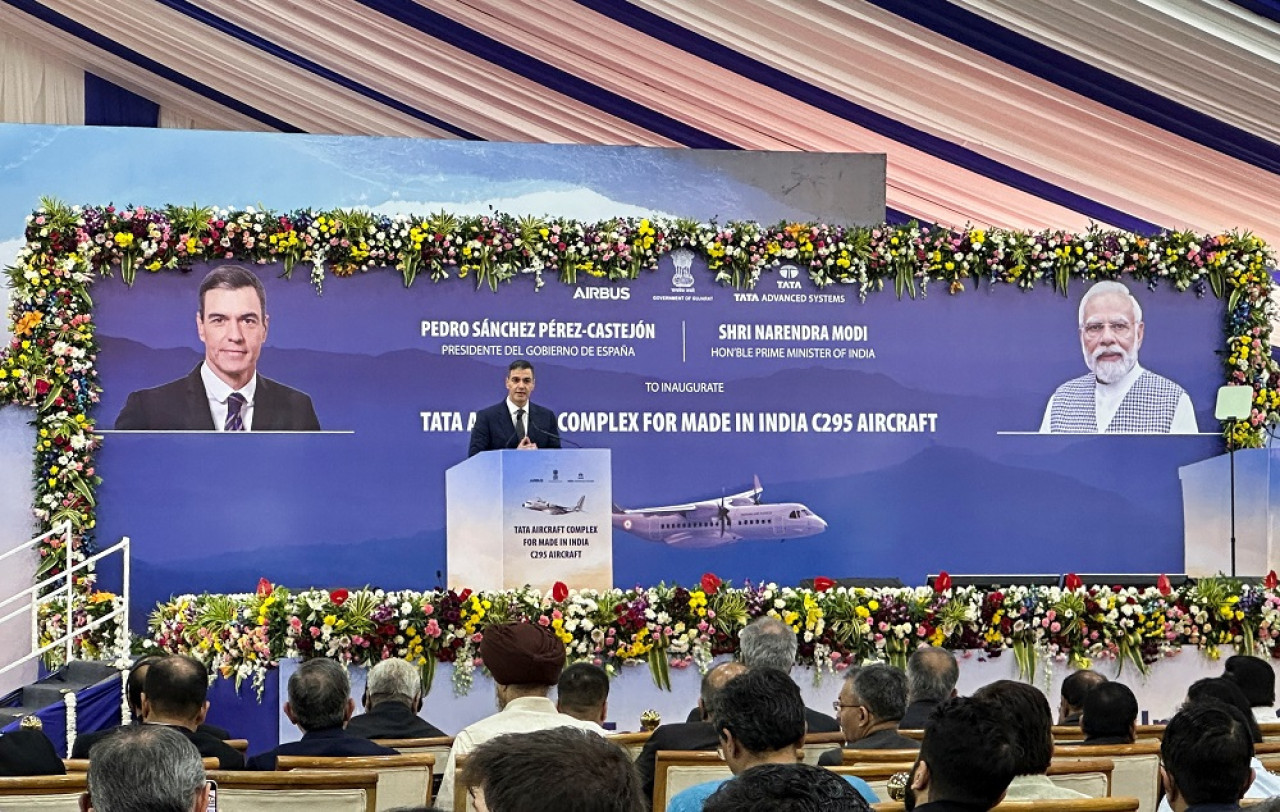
<point>1140,114</point>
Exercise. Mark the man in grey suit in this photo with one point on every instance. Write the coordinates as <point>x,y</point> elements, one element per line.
<point>225,392</point>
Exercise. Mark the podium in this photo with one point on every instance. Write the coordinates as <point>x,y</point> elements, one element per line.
<point>516,518</point>
<point>1206,510</point>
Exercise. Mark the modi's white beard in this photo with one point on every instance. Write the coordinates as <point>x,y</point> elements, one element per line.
<point>1111,371</point>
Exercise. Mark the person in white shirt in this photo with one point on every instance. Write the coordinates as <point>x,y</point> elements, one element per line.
<point>525,660</point>
<point>1117,395</point>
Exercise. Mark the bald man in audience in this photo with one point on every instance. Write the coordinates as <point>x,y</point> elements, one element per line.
<point>174,694</point>
<point>699,735</point>
<point>525,660</point>
<point>932,674</point>
<point>583,693</point>
<point>392,700</point>
<point>1074,689</point>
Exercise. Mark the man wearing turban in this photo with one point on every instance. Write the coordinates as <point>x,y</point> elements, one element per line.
<point>525,660</point>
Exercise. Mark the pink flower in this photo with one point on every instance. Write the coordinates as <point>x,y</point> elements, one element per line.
<point>543,620</point>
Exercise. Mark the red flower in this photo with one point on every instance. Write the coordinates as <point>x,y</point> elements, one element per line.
<point>264,588</point>
<point>1271,580</point>
<point>1072,581</point>
<point>559,591</point>
<point>462,598</point>
<point>942,583</point>
<point>1162,584</point>
<point>710,583</point>
<point>822,584</point>
<point>339,596</point>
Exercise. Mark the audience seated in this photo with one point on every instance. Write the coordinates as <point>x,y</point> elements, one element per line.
<point>174,694</point>
<point>525,660</point>
<point>1027,710</point>
<point>320,704</point>
<point>29,752</point>
<point>1223,691</point>
<point>1110,714</point>
<point>967,759</point>
<point>786,788</point>
<point>553,770</point>
<point>133,691</point>
<point>583,693</point>
<point>392,700</point>
<point>1258,682</point>
<point>148,767</point>
<point>1204,758</point>
<point>759,718</point>
<point>931,679</point>
<point>1074,689</point>
<point>873,700</point>
<point>696,735</point>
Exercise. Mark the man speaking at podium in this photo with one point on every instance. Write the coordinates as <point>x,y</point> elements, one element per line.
<point>515,422</point>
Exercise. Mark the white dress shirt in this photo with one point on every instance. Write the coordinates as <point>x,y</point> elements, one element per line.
<point>218,390</point>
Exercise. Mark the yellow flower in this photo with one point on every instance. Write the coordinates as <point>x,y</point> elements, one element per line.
<point>124,239</point>
<point>862,611</point>
<point>329,620</point>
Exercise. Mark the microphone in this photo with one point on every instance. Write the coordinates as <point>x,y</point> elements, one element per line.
<point>552,435</point>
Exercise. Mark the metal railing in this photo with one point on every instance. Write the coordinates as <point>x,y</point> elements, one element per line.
<point>65,592</point>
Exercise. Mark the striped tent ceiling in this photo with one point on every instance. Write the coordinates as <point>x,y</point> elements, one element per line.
<point>1141,114</point>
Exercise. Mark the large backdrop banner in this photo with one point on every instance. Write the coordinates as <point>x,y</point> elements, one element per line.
<point>876,435</point>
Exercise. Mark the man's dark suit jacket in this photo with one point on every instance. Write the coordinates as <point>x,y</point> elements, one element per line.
<point>329,741</point>
<point>182,405</point>
<point>228,757</point>
<point>494,429</point>
<point>880,740</point>
<point>815,721</point>
<point>86,741</point>
<point>392,720</point>
<point>679,736</point>
<point>917,714</point>
<point>29,752</point>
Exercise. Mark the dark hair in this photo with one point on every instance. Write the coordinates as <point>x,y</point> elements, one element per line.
<point>583,687</point>
<point>762,709</point>
<point>519,363</point>
<point>970,750</point>
<point>318,694</point>
<point>553,770</point>
<point>232,277</point>
<point>1255,678</point>
<point>1028,710</point>
<point>137,675</point>
<point>931,674</point>
<point>882,689</point>
<point>177,686</point>
<point>1110,709</point>
<point>786,788</point>
<point>1227,692</point>
<point>1078,684</point>
<point>1207,751</point>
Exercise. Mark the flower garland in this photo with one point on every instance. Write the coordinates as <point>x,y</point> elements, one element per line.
<point>49,365</point>
<point>243,636</point>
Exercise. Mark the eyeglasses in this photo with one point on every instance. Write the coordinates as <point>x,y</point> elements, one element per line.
<point>837,705</point>
<point>1094,329</point>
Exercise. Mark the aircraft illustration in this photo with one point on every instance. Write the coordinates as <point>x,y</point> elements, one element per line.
<point>553,509</point>
<point>713,522</point>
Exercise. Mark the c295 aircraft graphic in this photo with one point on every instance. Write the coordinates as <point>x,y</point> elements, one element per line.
<point>713,522</point>
<point>553,509</point>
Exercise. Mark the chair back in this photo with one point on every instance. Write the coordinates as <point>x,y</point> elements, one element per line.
<point>1118,804</point>
<point>855,756</point>
<point>239,745</point>
<point>403,780</point>
<point>1270,731</point>
<point>876,775</point>
<point>43,793</point>
<point>1088,776</point>
<point>1137,768</point>
<point>674,771</point>
<point>1072,734</point>
<point>633,743</point>
<point>312,790</point>
<point>815,744</point>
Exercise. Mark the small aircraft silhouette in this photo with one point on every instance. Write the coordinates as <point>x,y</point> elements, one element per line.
<point>712,522</point>
<point>553,509</point>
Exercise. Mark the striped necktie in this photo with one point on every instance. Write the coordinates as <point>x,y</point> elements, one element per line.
<point>235,421</point>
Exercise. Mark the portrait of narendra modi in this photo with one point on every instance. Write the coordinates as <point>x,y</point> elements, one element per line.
<point>1117,395</point>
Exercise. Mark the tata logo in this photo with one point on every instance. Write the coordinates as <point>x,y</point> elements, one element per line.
<point>789,277</point>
